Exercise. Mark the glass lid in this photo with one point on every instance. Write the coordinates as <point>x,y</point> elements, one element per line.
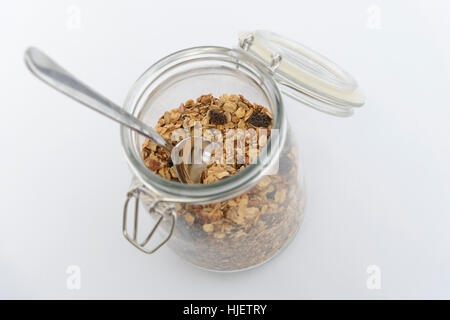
<point>304,74</point>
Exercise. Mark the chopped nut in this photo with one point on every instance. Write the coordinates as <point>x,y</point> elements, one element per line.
<point>219,235</point>
<point>252,212</point>
<point>222,174</point>
<point>242,105</point>
<point>208,227</point>
<point>154,165</point>
<point>229,106</point>
<point>189,103</point>
<point>240,112</point>
<point>174,116</point>
<point>280,196</point>
<point>189,218</point>
<point>173,173</point>
<point>264,182</point>
<point>166,117</point>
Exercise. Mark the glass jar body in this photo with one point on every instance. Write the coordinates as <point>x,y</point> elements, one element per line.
<point>247,230</point>
<point>238,222</point>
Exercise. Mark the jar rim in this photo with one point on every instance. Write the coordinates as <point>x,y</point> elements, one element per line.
<point>222,189</point>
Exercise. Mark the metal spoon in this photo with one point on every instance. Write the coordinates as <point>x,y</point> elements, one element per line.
<point>51,73</point>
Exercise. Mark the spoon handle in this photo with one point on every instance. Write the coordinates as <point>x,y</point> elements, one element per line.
<point>51,73</point>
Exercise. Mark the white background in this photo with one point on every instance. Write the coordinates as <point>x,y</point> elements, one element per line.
<point>378,182</point>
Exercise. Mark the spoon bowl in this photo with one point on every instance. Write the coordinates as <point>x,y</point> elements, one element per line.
<point>191,157</point>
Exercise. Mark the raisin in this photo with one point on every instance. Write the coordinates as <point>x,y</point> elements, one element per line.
<point>216,117</point>
<point>259,119</point>
<point>169,163</point>
<point>239,165</point>
<point>271,195</point>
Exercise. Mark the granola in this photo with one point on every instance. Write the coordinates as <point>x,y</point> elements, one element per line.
<point>246,230</point>
<point>208,113</point>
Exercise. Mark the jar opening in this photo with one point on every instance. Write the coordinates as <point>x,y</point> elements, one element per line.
<point>189,73</point>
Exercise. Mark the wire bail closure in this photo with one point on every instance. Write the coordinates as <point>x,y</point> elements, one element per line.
<point>304,74</point>
<point>246,42</point>
<point>163,209</point>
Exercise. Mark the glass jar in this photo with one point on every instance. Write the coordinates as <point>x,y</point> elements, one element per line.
<point>258,211</point>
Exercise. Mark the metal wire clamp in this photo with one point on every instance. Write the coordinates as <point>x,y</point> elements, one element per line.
<point>163,209</point>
